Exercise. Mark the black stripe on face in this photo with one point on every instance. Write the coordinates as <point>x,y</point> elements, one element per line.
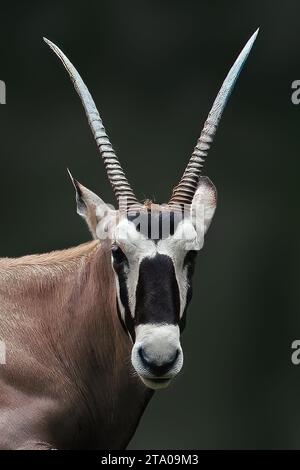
<point>157,293</point>
<point>122,278</point>
<point>189,264</point>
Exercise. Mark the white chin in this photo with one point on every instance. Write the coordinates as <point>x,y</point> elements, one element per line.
<point>156,384</point>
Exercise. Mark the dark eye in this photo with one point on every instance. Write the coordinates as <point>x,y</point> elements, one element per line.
<point>190,258</point>
<point>118,255</point>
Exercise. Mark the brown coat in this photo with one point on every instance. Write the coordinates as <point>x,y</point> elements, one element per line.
<point>68,382</point>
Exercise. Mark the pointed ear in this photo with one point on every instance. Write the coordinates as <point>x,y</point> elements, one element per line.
<point>89,205</point>
<point>204,202</point>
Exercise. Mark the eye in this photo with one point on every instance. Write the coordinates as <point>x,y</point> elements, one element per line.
<point>190,258</point>
<point>118,255</point>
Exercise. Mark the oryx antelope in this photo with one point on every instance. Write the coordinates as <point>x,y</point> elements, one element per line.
<point>91,331</point>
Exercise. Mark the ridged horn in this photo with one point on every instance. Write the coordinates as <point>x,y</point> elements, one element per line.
<point>115,172</point>
<point>184,192</point>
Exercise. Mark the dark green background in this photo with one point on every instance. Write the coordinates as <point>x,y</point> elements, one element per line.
<point>154,68</point>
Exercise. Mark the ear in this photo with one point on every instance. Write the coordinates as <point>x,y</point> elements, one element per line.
<point>89,205</point>
<point>204,203</point>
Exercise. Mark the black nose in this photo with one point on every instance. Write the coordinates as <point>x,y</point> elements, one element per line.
<point>157,368</point>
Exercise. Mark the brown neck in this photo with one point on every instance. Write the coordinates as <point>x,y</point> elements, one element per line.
<point>69,300</point>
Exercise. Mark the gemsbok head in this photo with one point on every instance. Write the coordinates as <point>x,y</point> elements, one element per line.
<point>153,247</point>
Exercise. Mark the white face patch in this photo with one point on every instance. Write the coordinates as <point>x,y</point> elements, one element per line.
<point>137,247</point>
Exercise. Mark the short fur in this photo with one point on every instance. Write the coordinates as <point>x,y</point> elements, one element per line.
<point>68,382</point>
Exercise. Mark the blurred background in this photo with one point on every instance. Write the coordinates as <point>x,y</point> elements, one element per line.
<point>154,68</point>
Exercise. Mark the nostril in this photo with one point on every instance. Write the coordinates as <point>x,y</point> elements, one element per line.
<point>158,368</point>
<point>143,357</point>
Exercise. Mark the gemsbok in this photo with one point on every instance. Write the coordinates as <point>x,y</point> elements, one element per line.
<point>91,331</point>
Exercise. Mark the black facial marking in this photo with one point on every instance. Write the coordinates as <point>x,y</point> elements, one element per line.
<point>189,264</point>
<point>120,270</point>
<point>157,293</point>
<point>118,255</point>
<point>190,259</point>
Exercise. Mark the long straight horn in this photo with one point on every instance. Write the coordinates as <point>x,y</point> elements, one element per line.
<point>115,173</point>
<point>184,192</point>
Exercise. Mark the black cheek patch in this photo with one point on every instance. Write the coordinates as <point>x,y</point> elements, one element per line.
<point>157,293</point>
<point>128,320</point>
<point>189,264</point>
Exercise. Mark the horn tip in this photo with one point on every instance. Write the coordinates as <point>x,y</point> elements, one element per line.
<point>70,174</point>
<point>50,44</point>
<point>252,38</point>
